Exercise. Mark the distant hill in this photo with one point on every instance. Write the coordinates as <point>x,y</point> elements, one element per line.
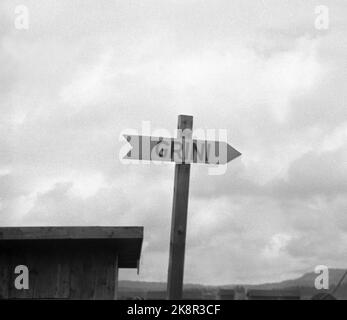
<point>305,283</point>
<point>153,286</point>
<point>307,280</point>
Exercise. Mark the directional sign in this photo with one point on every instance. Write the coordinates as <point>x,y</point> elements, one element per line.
<point>179,150</point>
<point>183,150</point>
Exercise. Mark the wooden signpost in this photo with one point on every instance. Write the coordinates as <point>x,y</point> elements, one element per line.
<point>182,150</point>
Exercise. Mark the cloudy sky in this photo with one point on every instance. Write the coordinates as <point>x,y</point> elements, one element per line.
<point>86,71</point>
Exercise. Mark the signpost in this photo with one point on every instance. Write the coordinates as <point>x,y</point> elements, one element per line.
<point>182,150</point>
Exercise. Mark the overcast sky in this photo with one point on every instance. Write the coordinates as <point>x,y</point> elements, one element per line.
<point>85,71</point>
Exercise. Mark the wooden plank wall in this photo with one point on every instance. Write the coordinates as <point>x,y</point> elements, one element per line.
<point>60,274</point>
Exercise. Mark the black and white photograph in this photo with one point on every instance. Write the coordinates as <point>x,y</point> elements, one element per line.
<point>184,150</point>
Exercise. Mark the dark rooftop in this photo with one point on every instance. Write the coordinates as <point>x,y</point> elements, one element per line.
<point>126,241</point>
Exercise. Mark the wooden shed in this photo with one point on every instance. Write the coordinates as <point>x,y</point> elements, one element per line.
<point>67,262</point>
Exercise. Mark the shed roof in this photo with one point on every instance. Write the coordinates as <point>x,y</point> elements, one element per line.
<point>126,241</point>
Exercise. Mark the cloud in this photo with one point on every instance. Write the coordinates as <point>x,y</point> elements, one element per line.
<point>316,174</point>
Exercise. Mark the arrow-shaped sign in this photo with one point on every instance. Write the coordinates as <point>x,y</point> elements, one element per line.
<point>179,150</point>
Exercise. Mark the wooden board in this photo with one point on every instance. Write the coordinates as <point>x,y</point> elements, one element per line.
<point>126,241</point>
<point>4,275</point>
<point>179,150</point>
<point>31,233</point>
<point>83,275</point>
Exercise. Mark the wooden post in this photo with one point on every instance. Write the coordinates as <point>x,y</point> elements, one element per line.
<point>116,271</point>
<point>179,217</point>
